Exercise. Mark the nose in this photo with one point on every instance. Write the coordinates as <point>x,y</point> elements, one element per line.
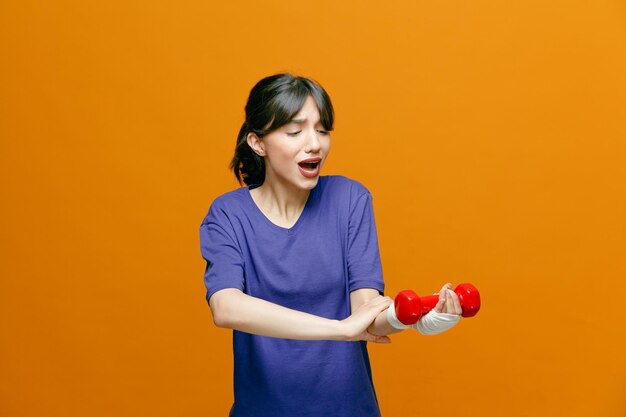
<point>313,143</point>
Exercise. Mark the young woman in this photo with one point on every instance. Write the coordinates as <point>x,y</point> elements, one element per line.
<point>293,265</point>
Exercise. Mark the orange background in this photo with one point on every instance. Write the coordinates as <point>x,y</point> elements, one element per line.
<point>491,135</point>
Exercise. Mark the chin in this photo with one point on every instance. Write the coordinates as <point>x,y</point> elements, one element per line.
<point>307,185</point>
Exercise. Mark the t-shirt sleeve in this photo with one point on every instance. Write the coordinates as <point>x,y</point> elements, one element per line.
<point>224,261</point>
<point>363,257</point>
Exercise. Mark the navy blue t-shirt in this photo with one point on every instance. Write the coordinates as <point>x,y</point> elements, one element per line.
<point>313,266</point>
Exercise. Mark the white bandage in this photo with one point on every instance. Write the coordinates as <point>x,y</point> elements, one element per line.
<point>429,324</point>
<point>434,323</point>
<point>393,320</point>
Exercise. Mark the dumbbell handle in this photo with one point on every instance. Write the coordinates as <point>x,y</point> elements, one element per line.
<point>410,307</point>
<point>429,302</point>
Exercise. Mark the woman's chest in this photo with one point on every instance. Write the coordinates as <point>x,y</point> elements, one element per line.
<point>308,264</point>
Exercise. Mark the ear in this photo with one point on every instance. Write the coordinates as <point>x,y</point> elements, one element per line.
<point>256,144</point>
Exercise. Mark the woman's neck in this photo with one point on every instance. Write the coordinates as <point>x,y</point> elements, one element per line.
<point>280,202</point>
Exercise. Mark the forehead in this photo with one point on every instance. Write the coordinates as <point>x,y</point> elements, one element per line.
<point>308,113</point>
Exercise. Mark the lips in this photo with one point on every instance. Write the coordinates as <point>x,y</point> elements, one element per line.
<point>310,164</point>
<point>310,167</point>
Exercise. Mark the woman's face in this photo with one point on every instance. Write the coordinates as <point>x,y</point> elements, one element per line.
<point>285,149</point>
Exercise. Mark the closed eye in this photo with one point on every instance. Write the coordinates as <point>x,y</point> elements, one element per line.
<point>323,132</point>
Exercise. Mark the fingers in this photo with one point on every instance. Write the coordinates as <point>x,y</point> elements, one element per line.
<point>376,339</point>
<point>440,307</point>
<point>448,301</point>
<point>453,306</point>
<point>378,299</point>
<point>442,291</point>
<point>441,303</point>
<point>457,303</point>
<point>380,302</point>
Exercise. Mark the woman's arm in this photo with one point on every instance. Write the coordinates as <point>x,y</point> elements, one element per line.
<point>380,326</point>
<point>233,309</point>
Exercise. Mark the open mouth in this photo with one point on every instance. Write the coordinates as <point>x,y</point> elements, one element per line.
<point>309,166</point>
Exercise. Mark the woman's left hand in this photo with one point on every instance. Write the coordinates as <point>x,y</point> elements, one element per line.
<point>448,301</point>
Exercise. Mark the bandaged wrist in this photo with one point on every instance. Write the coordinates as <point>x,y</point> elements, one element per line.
<point>393,320</point>
<point>434,323</point>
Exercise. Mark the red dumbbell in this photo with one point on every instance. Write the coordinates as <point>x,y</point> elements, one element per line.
<point>410,307</point>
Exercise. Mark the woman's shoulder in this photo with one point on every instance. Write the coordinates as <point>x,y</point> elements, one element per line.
<point>234,196</point>
<point>226,204</point>
<point>343,184</point>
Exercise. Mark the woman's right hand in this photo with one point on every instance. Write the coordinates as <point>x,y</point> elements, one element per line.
<point>448,301</point>
<point>355,326</point>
